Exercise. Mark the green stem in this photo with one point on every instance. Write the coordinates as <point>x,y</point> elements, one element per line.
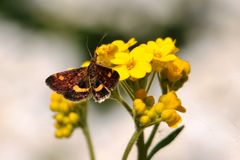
<point>131,142</point>
<point>117,97</point>
<point>127,89</point>
<point>142,154</point>
<point>150,83</point>
<point>150,139</point>
<point>89,142</point>
<point>126,106</point>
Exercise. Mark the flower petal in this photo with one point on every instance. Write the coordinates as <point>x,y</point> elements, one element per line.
<point>139,70</point>
<point>142,53</point>
<point>168,58</point>
<point>122,71</point>
<point>120,58</point>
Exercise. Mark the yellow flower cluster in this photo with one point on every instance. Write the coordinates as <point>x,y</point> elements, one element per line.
<point>67,117</point>
<point>165,110</point>
<point>159,55</point>
<point>106,52</point>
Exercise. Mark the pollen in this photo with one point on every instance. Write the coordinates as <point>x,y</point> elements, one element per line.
<point>61,77</point>
<point>131,64</point>
<point>76,88</point>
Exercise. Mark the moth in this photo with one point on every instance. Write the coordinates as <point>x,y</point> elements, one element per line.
<point>94,81</point>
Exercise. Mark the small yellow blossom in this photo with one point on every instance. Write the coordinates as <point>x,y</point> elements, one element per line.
<point>106,52</point>
<point>171,101</point>
<point>144,120</point>
<point>176,69</point>
<point>139,106</point>
<point>122,46</point>
<point>159,107</point>
<point>163,51</point>
<point>73,117</point>
<point>58,134</point>
<point>59,117</point>
<point>167,107</point>
<point>66,116</point>
<point>171,117</point>
<point>145,113</point>
<point>135,64</point>
<point>152,113</point>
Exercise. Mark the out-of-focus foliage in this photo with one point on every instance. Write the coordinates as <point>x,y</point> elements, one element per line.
<point>23,12</point>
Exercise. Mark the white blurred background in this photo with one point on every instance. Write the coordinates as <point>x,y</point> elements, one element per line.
<point>38,38</point>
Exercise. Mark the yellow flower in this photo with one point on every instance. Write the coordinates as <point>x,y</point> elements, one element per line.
<point>122,46</point>
<point>59,103</point>
<point>139,106</point>
<point>176,69</point>
<point>106,52</point>
<point>171,101</point>
<point>144,120</point>
<point>171,117</point>
<point>163,51</point>
<point>135,64</point>
<point>145,114</point>
<point>167,106</point>
<point>67,117</point>
<point>165,110</point>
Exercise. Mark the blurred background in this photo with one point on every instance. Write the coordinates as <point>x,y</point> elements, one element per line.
<point>41,37</point>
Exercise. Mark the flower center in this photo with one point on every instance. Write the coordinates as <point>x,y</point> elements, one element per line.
<point>157,55</point>
<point>131,64</point>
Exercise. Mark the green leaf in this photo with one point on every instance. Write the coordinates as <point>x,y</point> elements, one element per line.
<point>164,142</point>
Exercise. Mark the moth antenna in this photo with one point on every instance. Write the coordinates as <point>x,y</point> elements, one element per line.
<point>101,40</point>
<point>89,52</point>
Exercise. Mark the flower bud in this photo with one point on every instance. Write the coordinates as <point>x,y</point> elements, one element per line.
<point>152,114</point>
<point>57,125</point>
<point>59,117</point>
<point>64,107</point>
<point>66,120</point>
<point>66,132</point>
<point>73,117</point>
<point>55,96</point>
<point>149,101</point>
<point>141,94</point>
<point>58,133</point>
<point>144,120</point>
<point>159,107</point>
<point>139,107</point>
<point>54,106</point>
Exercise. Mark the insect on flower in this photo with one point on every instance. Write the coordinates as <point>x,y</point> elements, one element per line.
<point>78,84</point>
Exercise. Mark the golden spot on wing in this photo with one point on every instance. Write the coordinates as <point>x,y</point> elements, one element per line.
<point>61,77</point>
<point>99,88</point>
<point>76,88</point>
<point>109,74</point>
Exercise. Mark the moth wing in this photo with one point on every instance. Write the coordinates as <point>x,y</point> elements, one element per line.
<point>72,84</point>
<point>107,76</point>
<point>105,81</point>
